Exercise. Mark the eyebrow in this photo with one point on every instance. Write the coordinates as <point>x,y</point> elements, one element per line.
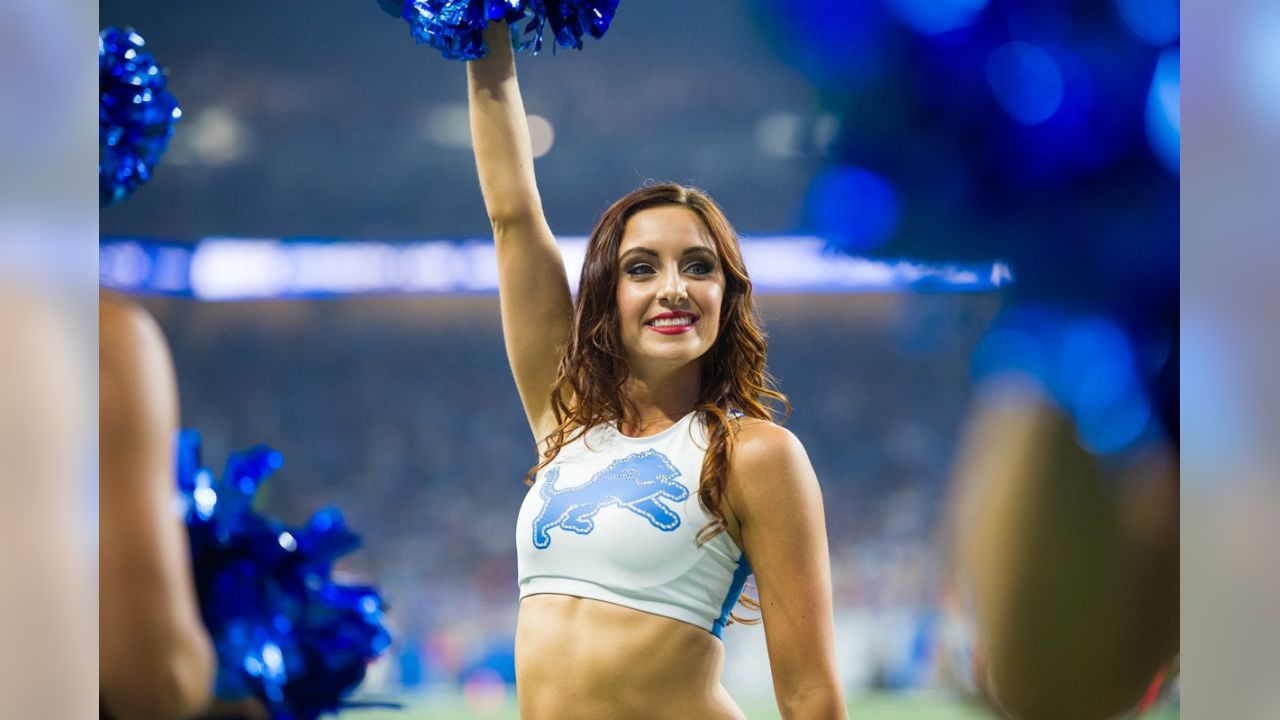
<point>701,249</point>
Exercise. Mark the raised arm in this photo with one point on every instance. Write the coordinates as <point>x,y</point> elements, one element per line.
<point>775,495</point>
<point>537,312</point>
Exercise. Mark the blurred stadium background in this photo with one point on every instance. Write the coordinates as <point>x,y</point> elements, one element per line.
<point>1042,134</point>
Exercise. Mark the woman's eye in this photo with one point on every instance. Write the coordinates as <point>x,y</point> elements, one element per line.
<point>700,267</point>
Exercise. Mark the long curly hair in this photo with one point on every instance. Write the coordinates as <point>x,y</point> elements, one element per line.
<point>588,387</point>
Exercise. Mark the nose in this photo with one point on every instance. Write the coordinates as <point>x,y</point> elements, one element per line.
<point>673,291</point>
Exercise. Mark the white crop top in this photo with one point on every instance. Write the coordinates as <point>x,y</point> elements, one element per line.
<point>616,518</point>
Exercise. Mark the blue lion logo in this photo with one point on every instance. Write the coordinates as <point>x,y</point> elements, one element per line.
<point>638,482</point>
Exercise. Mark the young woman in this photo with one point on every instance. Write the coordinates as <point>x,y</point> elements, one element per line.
<point>662,482</point>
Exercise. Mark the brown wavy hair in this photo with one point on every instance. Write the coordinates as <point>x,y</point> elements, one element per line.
<point>588,387</point>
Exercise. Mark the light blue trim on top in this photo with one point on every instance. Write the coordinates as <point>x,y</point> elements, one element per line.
<point>731,599</point>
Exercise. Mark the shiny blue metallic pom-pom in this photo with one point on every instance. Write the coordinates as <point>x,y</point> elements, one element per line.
<point>569,19</point>
<point>285,633</point>
<point>454,27</point>
<point>136,114</point>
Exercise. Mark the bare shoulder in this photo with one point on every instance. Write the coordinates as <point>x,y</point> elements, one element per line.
<point>762,441</point>
<point>768,465</point>
<point>130,340</point>
<point>137,397</point>
<point>120,318</point>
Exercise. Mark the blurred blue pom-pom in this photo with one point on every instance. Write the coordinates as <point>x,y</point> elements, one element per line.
<point>569,20</point>
<point>136,114</point>
<point>455,27</point>
<point>284,631</point>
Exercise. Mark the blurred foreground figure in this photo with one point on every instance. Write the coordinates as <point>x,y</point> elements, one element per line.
<point>46,609</point>
<point>156,659</point>
<point>1072,561</point>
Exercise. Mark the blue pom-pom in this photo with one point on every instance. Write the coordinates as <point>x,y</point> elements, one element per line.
<point>455,27</point>
<point>569,19</point>
<point>136,114</point>
<point>285,633</point>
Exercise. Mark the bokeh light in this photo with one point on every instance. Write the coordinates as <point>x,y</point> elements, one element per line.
<point>933,17</point>
<point>1026,81</point>
<point>1155,21</point>
<point>855,208</point>
<point>1086,363</point>
<point>542,135</point>
<point>1164,110</point>
<point>838,44</point>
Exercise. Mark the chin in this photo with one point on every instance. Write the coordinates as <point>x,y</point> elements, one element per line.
<point>665,356</point>
<point>665,353</point>
<point>673,356</point>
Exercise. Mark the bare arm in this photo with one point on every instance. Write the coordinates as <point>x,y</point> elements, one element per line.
<point>537,311</point>
<point>156,658</point>
<point>775,495</point>
<point>1076,598</point>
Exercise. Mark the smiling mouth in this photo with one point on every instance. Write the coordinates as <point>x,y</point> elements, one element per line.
<point>672,326</point>
<point>682,321</point>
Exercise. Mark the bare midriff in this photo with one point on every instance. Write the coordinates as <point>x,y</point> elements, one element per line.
<point>582,659</point>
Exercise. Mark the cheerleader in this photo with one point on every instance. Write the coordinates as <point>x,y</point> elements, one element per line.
<point>662,482</point>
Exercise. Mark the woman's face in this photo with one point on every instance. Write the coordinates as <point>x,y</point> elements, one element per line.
<point>670,286</point>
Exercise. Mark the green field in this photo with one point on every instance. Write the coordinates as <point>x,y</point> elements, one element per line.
<point>873,707</point>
